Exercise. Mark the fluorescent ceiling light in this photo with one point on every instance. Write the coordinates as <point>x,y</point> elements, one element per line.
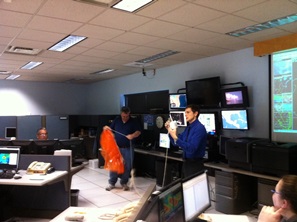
<point>266,25</point>
<point>102,71</point>
<point>158,56</point>
<point>131,5</point>
<point>31,65</point>
<point>67,42</point>
<point>13,77</point>
<point>2,72</point>
<point>105,3</point>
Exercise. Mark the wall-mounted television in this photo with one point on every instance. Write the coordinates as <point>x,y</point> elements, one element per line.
<point>204,92</point>
<point>177,100</point>
<point>210,121</point>
<point>235,97</point>
<point>235,119</point>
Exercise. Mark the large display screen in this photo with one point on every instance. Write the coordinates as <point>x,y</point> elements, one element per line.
<point>283,96</point>
<point>209,120</point>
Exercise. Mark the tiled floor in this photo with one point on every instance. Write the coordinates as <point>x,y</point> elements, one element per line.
<point>91,184</point>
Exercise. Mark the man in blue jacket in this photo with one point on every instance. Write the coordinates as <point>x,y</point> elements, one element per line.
<point>192,141</point>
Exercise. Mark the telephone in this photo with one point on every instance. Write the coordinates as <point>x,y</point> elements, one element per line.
<point>38,167</point>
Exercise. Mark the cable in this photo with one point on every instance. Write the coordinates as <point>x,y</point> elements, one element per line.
<point>165,167</point>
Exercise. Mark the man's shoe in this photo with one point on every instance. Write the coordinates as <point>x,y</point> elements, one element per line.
<point>109,187</point>
<point>125,187</point>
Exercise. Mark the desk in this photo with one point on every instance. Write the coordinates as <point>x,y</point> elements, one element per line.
<point>90,214</point>
<point>158,154</point>
<point>226,168</point>
<point>35,179</point>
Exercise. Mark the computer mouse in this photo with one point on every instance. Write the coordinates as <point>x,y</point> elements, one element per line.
<point>17,176</point>
<point>50,170</point>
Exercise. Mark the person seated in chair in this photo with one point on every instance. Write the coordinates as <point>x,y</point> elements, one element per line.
<point>284,200</point>
<point>42,134</point>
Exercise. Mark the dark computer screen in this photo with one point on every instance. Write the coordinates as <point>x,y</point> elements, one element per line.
<point>45,146</point>
<point>204,92</point>
<point>10,132</point>
<point>77,147</point>
<point>222,144</point>
<point>26,146</point>
<point>196,195</point>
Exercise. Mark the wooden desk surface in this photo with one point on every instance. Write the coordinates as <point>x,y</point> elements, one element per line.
<point>35,179</point>
<point>225,167</point>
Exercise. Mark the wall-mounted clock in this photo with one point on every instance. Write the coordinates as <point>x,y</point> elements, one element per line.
<point>159,122</point>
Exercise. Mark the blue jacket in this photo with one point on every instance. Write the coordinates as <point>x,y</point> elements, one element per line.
<point>192,140</point>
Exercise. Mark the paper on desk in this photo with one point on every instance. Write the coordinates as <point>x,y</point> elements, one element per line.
<point>227,217</point>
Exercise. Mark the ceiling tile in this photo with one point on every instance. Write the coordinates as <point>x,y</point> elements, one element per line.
<point>191,15</point>
<point>134,38</point>
<point>159,28</point>
<point>118,20</point>
<point>98,32</point>
<point>28,6</point>
<point>116,46</point>
<point>193,35</point>
<point>14,19</point>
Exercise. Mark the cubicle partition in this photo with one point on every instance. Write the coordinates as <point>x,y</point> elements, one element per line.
<point>33,200</point>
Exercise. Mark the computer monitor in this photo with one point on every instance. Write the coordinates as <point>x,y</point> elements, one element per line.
<point>77,147</point>
<point>9,158</point>
<point>196,195</point>
<point>179,117</point>
<point>210,122</point>
<point>47,147</point>
<point>26,146</point>
<point>222,144</point>
<point>235,119</point>
<point>177,100</point>
<point>10,132</point>
<point>164,141</point>
<point>171,203</point>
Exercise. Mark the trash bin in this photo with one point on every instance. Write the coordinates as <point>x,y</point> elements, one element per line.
<point>74,198</point>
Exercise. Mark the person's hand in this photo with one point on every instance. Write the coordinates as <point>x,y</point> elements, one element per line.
<point>270,214</point>
<point>130,136</point>
<point>167,124</point>
<point>106,128</point>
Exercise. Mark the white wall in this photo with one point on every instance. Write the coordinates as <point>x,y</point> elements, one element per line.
<point>240,66</point>
<point>33,98</point>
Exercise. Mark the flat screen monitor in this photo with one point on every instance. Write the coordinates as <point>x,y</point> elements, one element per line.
<point>10,132</point>
<point>177,100</point>
<point>179,117</point>
<point>9,158</point>
<point>77,147</point>
<point>235,97</point>
<point>235,119</point>
<point>210,122</point>
<point>204,92</point>
<point>45,146</point>
<point>196,195</point>
<point>164,141</point>
<point>26,146</point>
<point>144,208</point>
<point>171,203</point>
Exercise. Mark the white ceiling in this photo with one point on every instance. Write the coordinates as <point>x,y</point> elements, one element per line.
<point>196,28</point>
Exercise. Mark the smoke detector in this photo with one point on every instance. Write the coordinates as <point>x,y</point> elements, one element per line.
<point>22,50</point>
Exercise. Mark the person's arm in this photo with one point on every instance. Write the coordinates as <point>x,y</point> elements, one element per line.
<point>133,135</point>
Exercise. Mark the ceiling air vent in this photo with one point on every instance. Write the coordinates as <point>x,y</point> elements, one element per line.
<point>138,64</point>
<point>23,50</point>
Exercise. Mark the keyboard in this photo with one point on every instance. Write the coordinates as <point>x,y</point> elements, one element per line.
<point>6,175</point>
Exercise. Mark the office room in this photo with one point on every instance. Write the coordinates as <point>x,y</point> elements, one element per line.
<point>71,90</point>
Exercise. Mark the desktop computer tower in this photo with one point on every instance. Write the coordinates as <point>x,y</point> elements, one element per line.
<point>235,193</point>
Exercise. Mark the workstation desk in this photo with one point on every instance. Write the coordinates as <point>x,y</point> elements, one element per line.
<point>43,196</point>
